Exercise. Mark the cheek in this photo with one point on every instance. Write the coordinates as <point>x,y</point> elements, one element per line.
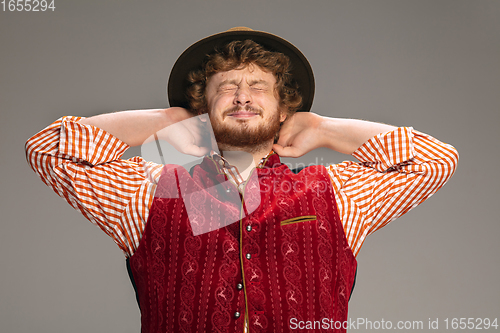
<point>218,105</point>
<point>212,104</point>
<point>222,101</point>
<point>272,104</point>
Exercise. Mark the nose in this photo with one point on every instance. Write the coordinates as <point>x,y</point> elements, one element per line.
<point>243,96</point>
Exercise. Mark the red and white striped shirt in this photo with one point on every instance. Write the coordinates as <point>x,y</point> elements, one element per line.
<point>397,171</point>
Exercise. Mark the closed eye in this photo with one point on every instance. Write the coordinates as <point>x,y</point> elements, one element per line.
<point>228,87</point>
<point>259,87</point>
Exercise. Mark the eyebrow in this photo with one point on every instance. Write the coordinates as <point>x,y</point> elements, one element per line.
<point>254,82</point>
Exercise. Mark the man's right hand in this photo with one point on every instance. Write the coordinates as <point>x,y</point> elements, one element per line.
<point>188,134</point>
<point>176,125</point>
<point>177,114</point>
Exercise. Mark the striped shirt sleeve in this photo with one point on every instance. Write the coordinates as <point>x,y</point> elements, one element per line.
<point>398,170</point>
<point>82,164</point>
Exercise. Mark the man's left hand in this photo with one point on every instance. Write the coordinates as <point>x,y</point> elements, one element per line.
<point>299,135</point>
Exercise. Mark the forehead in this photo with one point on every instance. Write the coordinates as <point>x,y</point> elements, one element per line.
<point>250,73</point>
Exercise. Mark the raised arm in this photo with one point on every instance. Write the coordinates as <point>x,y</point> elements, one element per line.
<point>306,131</point>
<point>134,127</point>
<point>82,164</point>
<point>174,125</point>
<point>399,168</point>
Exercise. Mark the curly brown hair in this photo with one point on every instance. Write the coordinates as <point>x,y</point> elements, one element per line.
<point>238,54</point>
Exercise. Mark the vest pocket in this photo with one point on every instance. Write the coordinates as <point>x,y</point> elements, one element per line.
<point>299,219</point>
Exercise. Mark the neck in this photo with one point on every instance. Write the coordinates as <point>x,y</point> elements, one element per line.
<point>245,160</point>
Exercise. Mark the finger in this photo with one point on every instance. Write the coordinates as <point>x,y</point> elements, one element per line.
<point>196,151</point>
<point>282,139</point>
<point>286,151</point>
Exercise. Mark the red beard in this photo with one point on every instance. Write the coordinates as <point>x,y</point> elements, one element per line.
<point>241,136</point>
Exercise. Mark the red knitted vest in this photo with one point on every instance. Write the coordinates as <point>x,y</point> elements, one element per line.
<point>282,265</point>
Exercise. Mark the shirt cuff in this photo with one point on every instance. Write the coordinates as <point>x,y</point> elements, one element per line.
<point>87,143</point>
<point>387,150</point>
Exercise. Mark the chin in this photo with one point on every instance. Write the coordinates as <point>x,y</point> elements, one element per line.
<point>249,148</point>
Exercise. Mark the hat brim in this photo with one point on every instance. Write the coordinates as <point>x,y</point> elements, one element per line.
<point>193,57</point>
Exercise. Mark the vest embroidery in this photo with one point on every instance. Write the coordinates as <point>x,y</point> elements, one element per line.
<point>288,253</point>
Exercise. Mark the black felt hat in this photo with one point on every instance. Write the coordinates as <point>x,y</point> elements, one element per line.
<point>193,57</point>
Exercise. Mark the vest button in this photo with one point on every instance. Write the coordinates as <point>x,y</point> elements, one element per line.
<point>228,190</point>
<point>249,228</point>
<point>248,256</point>
<point>239,286</point>
<point>237,314</point>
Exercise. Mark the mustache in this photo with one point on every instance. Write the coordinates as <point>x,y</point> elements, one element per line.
<point>238,108</point>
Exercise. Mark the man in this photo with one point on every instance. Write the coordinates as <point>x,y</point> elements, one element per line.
<point>276,248</point>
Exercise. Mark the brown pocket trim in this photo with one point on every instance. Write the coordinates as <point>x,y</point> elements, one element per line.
<point>299,219</point>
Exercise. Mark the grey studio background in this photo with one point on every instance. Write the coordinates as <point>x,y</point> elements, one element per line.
<point>433,65</point>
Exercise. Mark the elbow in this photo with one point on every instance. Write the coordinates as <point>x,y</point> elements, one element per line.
<point>440,168</point>
<point>34,149</point>
<point>451,159</point>
<point>446,166</point>
<point>31,151</point>
<point>41,149</point>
